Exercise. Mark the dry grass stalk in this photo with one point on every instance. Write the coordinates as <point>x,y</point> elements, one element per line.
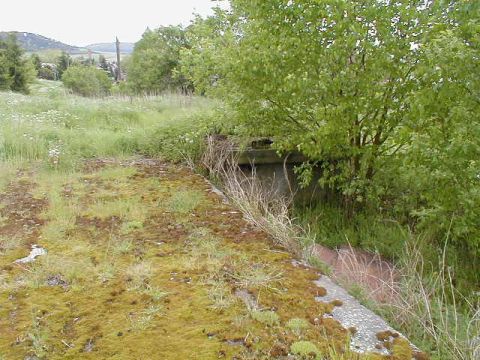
<point>414,299</point>
<point>261,206</point>
<point>431,302</point>
<point>367,270</point>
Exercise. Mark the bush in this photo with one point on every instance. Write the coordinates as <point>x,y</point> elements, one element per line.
<point>46,73</point>
<point>181,138</point>
<point>87,81</point>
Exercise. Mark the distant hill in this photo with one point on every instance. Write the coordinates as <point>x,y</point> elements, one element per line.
<point>33,42</point>
<point>125,48</point>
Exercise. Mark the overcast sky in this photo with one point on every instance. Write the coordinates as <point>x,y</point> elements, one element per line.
<point>84,22</point>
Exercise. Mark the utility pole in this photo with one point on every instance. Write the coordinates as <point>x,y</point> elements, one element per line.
<point>119,69</point>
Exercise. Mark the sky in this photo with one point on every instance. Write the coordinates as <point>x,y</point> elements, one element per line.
<point>85,22</point>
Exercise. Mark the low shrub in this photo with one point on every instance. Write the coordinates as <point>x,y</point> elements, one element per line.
<point>87,81</point>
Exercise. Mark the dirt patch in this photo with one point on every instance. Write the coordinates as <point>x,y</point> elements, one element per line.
<point>20,210</point>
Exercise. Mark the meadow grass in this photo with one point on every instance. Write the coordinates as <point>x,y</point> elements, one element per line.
<point>7,172</point>
<point>63,129</point>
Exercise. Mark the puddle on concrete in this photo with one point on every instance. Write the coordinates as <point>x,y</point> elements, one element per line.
<point>34,253</point>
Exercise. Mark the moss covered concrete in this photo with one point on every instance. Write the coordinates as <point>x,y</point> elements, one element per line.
<point>144,262</point>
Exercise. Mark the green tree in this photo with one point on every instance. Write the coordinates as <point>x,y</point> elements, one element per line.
<point>445,129</point>
<point>16,72</point>
<point>64,61</point>
<point>102,62</point>
<point>328,78</point>
<point>47,73</point>
<point>37,62</point>
<point>156,55</point>
<point>5,78</point>
<point>87,81</point>
<point>204,61</point>
<point>384,96</point>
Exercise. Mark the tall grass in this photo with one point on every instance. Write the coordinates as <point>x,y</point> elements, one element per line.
<point>428,306</point>
<point>63,129</point>
<point>259,204</point>
<point>369,231</point>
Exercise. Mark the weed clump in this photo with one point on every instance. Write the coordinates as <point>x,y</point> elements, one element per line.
<point>138,275</point>
<point>268,318</point>
<point>297,325</point>
<point>131,226</point>
<point>185,201</point>
<point>305,350</point>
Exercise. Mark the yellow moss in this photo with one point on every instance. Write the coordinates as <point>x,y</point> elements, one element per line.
<point>401,349</point>
<point>336,303</point>
<point>386,335</point>
<point>419,355</point>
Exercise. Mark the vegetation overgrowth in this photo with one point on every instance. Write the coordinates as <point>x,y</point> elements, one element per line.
<point>382,98</point>
<point>138,250</point>
<point>370,92</point>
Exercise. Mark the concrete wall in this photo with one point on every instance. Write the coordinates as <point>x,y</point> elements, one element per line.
<point>278,173</point>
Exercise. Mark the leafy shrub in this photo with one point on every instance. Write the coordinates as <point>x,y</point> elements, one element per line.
<point>87,81</point>
<point>180,139</point>
<point>46,73</point>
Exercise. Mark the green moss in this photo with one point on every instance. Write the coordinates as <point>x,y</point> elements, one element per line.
<point>401,349</point>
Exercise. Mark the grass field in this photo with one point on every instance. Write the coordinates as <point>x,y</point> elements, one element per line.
<point>62,130</point>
